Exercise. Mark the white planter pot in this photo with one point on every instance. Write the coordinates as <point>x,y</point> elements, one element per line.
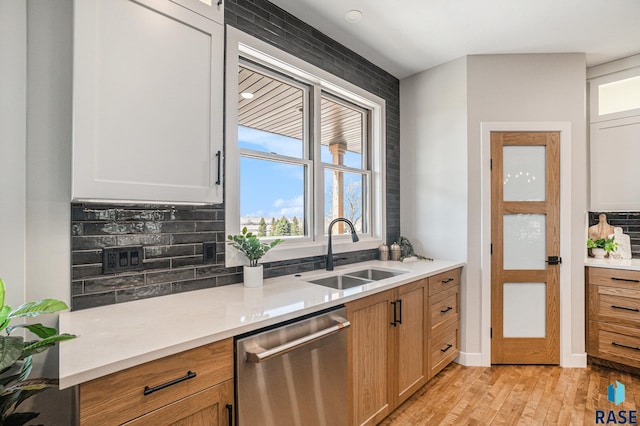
<point>253,276</point>
<point>598,253</point>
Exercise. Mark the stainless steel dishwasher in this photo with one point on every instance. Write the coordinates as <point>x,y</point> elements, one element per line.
<point>294,373</point>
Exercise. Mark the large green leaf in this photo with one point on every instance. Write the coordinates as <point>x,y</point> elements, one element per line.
<point>39,307</point>
<point>38,329</point>
<point>10,350</point>
<point>4,317</point>
<point>31,348</point>
<point>3,290</point>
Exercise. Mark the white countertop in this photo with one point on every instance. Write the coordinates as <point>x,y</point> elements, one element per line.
<point>115,337</point>
<point>629,264</point>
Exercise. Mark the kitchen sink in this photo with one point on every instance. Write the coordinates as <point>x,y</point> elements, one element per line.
<point>345,280</point>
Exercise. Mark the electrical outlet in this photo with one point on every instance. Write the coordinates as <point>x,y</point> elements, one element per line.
<point>209,252</point>
<point>120,259</point>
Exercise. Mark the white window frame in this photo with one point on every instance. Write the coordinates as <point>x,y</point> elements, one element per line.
<point>243,45</point>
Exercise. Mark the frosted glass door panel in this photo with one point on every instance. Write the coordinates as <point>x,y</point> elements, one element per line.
<point>524,173</point>
<point>525,241</point>
<point>524,311</point>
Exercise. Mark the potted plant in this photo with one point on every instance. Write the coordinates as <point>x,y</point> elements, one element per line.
<point>16,353</point>
<point>253,249</point>
<point>602,246</point>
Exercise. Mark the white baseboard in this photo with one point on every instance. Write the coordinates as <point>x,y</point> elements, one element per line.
<point>469,359</point>
<point>575,361</point>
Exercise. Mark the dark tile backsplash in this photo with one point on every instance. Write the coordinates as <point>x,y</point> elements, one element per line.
<point>628,221</point>
<point>172,236</point>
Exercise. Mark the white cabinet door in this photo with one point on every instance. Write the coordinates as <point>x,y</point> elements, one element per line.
<point>148,81</point>
<point>212,9</point>
<point>615,173</point>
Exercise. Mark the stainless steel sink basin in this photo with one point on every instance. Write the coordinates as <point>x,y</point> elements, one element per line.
<point>374,274</point>
<point>345,280</point>
<point>340,282</point>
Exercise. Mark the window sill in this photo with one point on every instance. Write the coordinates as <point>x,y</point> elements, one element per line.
<point>286,251</point>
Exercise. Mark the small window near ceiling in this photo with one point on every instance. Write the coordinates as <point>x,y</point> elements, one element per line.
<point>619,96</point>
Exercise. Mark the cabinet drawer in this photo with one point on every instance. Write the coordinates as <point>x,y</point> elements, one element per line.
<point>614,278</point>
<point>444,281</point>
<point>443,348</point>
<point>615,343</point>
<point>614,305</point>
<point>120,396</point>
<point>444,309</point>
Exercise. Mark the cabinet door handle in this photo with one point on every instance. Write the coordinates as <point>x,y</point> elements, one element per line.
<point>149,390</point>
<point>395,314</point>
<point>625,279</point>
<point>229,408</point>
<point>635,348</point>
<point>626,309</point>
<point>400,309</point>
<point>449,346</point>
<point>219,3</point>
<point>219,160</point>
<point>444,311</point>
<point>447,281</point>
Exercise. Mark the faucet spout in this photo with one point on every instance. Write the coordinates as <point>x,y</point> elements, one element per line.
<point>354,238</point>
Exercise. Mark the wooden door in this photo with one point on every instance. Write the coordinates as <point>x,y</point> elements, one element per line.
<point>411,339</point>
<point>525,235</point>
<point>370,358</point>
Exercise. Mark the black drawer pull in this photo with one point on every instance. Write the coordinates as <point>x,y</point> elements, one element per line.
<point>449,346</point>
<point>448,280</point>
<point>149,390</point>
<point>635,348</point>
<point>625,279</point>
<point>444,311</point>
<point>230,413</point>
<point>400,309</point>
<point>626,309</point>
<point>395,314</point>
<point>219,158</point>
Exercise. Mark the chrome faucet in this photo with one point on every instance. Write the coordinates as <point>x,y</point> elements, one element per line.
<point>354,238</point>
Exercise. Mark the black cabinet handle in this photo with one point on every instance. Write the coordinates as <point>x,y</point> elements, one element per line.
<point>395,314</point>
<point>219,3</point>
<point>448,280</point>
<point>635,348</point>
<point>444,311</point>
<point>449,346</point>
<point>400,309</point>
<point>625,279</point>
<point>229,408</point>
<point>625,309</point>
<point>149,390</point>
<point>219,160</point>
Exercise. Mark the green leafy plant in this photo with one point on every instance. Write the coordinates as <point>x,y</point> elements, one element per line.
<point>608,244</point>
<point>16,356</point>
<point>251,246</point>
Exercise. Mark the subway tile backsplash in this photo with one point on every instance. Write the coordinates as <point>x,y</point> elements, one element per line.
<point>172,237</point>
<point>628,221</point>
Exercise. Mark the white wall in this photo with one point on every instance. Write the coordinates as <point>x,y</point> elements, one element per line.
<point>433,158</point>
<point>13,90</point>
<point>35,164</point>
<point>436,123</point>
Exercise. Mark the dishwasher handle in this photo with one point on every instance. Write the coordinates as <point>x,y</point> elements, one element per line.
<point>266,354</point>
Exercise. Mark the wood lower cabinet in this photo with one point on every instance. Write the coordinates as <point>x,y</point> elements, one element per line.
<point>398,340</point>
<point>613,313</point>
<point>194,387</point>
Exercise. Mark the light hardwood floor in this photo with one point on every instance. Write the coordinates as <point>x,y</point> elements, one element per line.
<point>515,395</point>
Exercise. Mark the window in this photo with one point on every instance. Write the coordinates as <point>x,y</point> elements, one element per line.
<point>302,148</point>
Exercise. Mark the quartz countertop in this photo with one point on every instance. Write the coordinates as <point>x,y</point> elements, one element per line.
<point>115,337</point>
<point>629,264</point>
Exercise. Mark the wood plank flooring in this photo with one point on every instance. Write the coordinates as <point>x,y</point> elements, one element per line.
<point>515,395</point>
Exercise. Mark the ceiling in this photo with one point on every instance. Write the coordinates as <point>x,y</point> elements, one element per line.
<point>404,37</point>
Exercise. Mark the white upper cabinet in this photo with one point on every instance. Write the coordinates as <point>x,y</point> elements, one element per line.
<point>148,96</point>
<point>615,140</point>
<point>212,9</point>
